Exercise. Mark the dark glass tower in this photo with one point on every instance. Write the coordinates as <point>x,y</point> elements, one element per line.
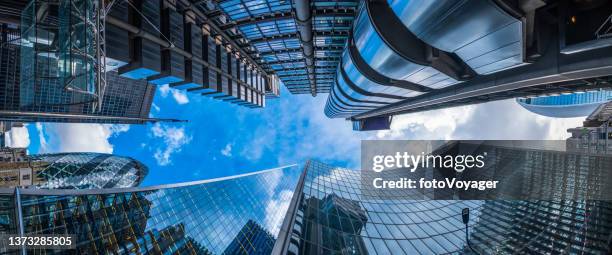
<point>331,217</point>
<point>330,214</point>
<point>252,239</point>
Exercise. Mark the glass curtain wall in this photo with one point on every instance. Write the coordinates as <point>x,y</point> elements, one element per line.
<point>205,217</point>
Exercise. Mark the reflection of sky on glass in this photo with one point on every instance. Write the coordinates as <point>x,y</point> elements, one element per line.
<point>214,213</point>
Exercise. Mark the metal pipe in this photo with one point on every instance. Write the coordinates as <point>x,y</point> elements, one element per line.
<point>303,19</point>
<point>13,114</point>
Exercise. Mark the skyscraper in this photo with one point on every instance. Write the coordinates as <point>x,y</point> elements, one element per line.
<point>330,213</point>
<point>202,217</point>
<point>413,56</point>
<point>595,135</point>
<point>321,210</point>
<point>69,170</point>
<point>31,90</point>
<point>252,239</point>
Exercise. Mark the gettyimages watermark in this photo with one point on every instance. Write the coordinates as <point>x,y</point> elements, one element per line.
<point>483,170</point>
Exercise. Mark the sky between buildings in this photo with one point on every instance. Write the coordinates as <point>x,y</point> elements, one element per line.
<point>224,139</point>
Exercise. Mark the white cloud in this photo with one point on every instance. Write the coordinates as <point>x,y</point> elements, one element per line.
<point>227,150</point>
<point>500,120</point>
<point>155,107</point>
<point>179,96</point>
<point>41,138</point>
<point>275,209</point>
<point>300,124</point>
<point>164,89</point>
<point>18,137</point>
<point>77,137</point>
<point>173,139</point>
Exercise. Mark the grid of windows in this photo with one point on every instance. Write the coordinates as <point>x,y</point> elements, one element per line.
<point>267,20</point>
<point>335,216</point>
<point>203,217</point>
<point>29,90</point>
<point>88,171</point>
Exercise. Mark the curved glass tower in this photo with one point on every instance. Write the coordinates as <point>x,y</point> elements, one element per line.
<point>566,106</point>
<point>229,215</point>
<point>88,171</point>
<point>72,171</point>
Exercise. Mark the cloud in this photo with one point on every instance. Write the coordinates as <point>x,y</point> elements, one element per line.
<point>77,137</point>
<point>155,107</point>
<point>41,138</point>
<point>164,90</point>
<point>227,150</point>
<point>173,140</point>
<point>500,120</point>
<point>300,124</point>
<point>18,137</point>
<point>179,96</point>
<point>275,209</point>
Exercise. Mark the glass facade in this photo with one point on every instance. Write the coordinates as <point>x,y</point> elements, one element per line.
<point>566,106</point>
<point>543,227</point>
<point>30,83</point>
<point>88,171</point>
<point>72,171</point>
<point>276,41</point>
<point>333,216</point>
<point>204,217</point>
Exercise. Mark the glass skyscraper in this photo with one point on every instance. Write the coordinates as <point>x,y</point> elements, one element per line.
<point>204,217</point>
<point>71,171</point>
<point>331,215</point>
<point>320,210</point>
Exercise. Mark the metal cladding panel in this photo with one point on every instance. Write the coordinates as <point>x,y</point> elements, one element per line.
<point>212,59</point>
<point>243,93</point>
<point>177,62</point>
<point>120,11</point>
<point>193,69</point>
<point>234,63</point>
<point>150,9</point>
<point>480,32</point>
<point>117,39</point>
<point>243,73</point>
<point>145,56</point>
<point>381,57</point>
<point>249,78</point>
<point>249,95</point>
<point>172,64</point>
<point>117,43</point>
<point>225,86</point>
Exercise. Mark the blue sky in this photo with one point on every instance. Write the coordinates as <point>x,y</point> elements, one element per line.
<point>224,139</point>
